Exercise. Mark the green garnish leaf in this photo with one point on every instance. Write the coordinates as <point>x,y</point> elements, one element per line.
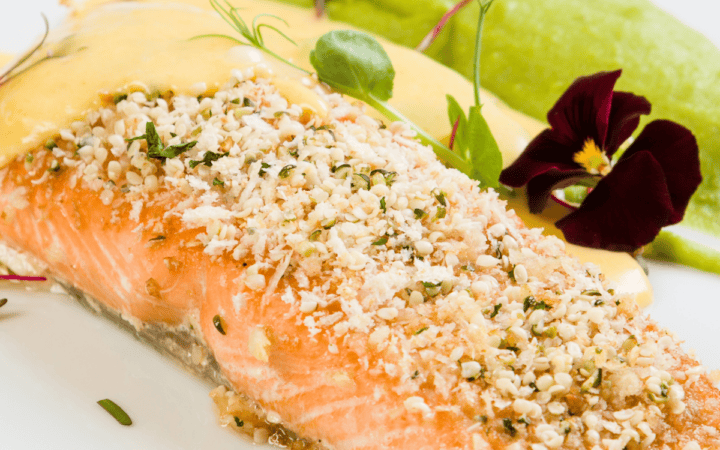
<point>3,302</point>
<point>217,182</point>
<point>484,153</point>
<point>239,423</point>
<point>421,330</point>
<point>263,169</point>
<point>115,411</point>
<point>383,206</point>
<point>496,310</point>
<point>419,213</point>
<point>156,149</point>
<point>208,159</point>
<point>382,241</point>
<point>50,144</point>
<point>29,158</point>
<point>355,64</point>
<point>158,238</point>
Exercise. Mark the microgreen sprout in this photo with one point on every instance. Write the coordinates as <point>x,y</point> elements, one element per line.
<point>252,35</point>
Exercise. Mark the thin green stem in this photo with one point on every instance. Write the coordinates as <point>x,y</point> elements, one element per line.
<point>478,50</point>
<point>444,153</point>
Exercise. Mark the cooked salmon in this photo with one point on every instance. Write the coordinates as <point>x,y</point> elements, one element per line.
<point>366,296</point>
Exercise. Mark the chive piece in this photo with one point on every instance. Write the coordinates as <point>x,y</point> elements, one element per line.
<point>598,380</point>
<point>263,169</point>
<point>115,411</point>
<point>383,205</point>
<point>235,101</point>
<point>419,213</point>
<point>509,428</point>
<point>511,274</point>
<point>208,159</point>
<point>285,171</point>
<point>441,213</point>
<point>158,238</point>
<point>531,303</point>
<point>29,158</point>
<point>314,236</point>
<point>217,182</point>
<point>382,241</point>
<point>591,292</point>
<point>219,324</point>
<point>415,374</point>
<point>50,144</point>
<point>441,198</point>
<point>117,98</point>
<point>238,422</point>
<point>248,102</point>
<point>420,330</point>
<point>496,310</point>
<point>3,302</point>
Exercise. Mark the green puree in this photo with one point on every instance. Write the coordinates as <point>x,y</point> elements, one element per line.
<point>534,49</point>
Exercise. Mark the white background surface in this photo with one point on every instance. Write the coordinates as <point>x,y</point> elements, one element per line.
<point>57,360</point>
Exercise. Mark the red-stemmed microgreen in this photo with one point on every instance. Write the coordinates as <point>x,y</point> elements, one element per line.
<point>433,34</point>
<point>21,278</point>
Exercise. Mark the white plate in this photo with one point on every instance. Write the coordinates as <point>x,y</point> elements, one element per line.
<point>57,360</point>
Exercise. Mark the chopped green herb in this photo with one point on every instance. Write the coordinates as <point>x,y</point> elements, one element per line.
<point>314,235</point>
<point>419,213</point>
<point>440,197</point>
<point>208,159</point>
<point>117,98</point>
<point>598,302</point>
<point>383,205</point>
<point>509,428</point>
<point>115,411</point>
<point>3,302</point>
<point>530,302</point>
<point>591,292</point>
<point>235,101</point>
<point>525,421</point>
<point>483,419</point>
<point>415,374</point>
<point>432,289</point>
<point>440,214</point>
<point>285,171</point>
<point>382,241</point>
<point>328,223</point>
<point>598,379</point>
<point>496,310</point>
<point>248,103</point>
<point>468,268</point>
<point>219,323</point>
<point>550,332</point>
<point>217,182</point>
<point>50,144</point>
<point>278,114</point>
<point>511,274</point>
<point>158,238</point>
<point>54,166</point>
<point>534,386</point>
<point>420,330</point>
<point>263,169</point>
<point>29,158</point>
<point>156,149</point>
<point>239,423</point>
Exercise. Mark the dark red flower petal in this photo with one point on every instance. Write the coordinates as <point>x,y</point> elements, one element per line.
<point>624,119</point>
<point>583,111</point>
<point>625,211</point>
<point>674,147</point>
<point>544,166</point>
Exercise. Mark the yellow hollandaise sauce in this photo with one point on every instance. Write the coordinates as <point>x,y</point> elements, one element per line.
<point>112,47</point>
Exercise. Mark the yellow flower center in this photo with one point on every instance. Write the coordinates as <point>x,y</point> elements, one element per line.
<point>592,158</point>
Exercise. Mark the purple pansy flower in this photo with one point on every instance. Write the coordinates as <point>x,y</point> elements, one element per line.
<point>628,202</point>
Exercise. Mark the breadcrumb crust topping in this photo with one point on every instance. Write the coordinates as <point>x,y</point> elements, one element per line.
<point>450,292</point>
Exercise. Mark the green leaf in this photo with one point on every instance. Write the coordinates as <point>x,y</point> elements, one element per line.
<point>485,156</point>
<point>115,411</point>
<point>455,113</point>
<point>172,151</point>
<point>208,159</point>
<point>354,63</point>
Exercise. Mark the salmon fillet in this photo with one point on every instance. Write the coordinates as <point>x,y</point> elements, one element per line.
<point>363,294</point>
